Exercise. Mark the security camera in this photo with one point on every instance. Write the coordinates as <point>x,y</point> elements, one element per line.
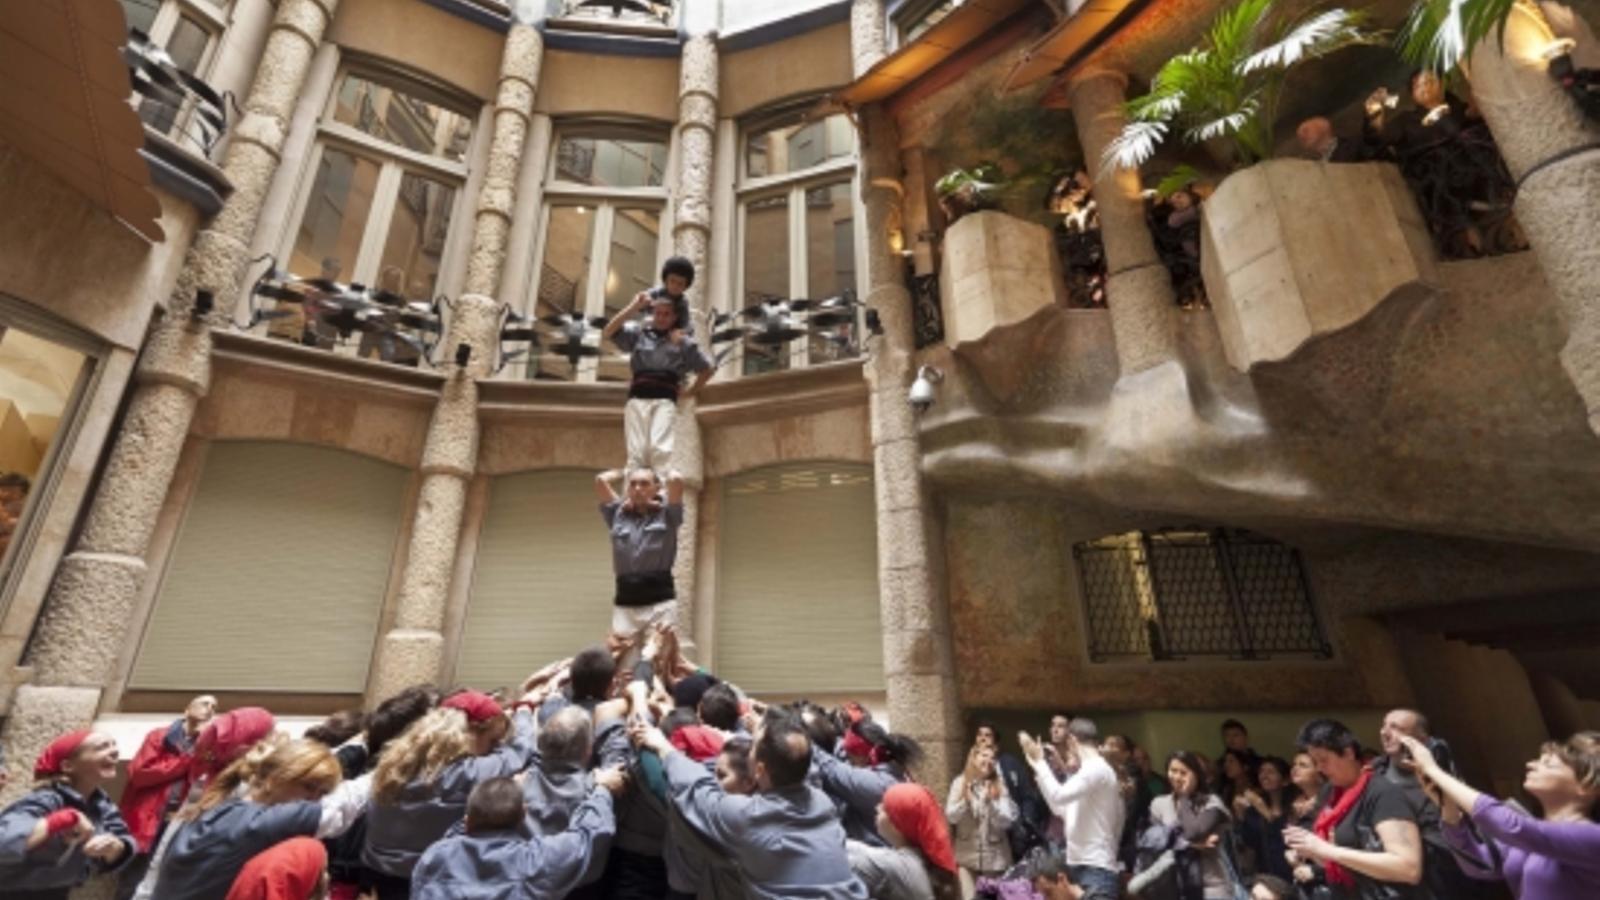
<point>921,395</point>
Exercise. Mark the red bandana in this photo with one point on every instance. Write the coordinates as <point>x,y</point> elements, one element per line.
<point>227,738</point>
<point>59,751</point>
<point>916,814</point>
<point>1342,801</point>
<point>856,745</point>
<point>698,742</point>
<point>478,706</point>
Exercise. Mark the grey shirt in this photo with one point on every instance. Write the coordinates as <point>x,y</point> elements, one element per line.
<point>652,351</point>
<point>643,544</point>
<point>856,791</point>
<point>788,841</point>
<point>890,873</point>
<point>205,855</point>
<point>54,864</point>
<point>505,865</point>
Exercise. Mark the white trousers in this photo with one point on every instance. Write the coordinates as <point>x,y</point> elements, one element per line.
<point>634,621</point>
<point>647,426</point>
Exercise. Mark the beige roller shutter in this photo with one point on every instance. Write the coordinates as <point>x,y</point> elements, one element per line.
<point>542,585</point>
<point>278,576</point>
<point>797,596</point>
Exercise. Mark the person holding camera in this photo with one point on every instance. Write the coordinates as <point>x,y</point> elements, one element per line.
<point>1441,872</point>
<point>980,809</point>
<point>1549,858</point>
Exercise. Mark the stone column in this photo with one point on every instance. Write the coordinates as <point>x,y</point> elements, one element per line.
<point>917,657</point>
<point>85,618</point>
<point>1138,289</point>
<point>869,38</point>
<point>1554,153</point>
<point>691,237</point>
<point>412,651</point>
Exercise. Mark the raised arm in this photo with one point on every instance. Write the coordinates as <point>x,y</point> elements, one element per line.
<point>724,819</point>
<point>1569,843</point>
<point>603,490</point>
<point>956,805</point>
<point>563,860</point>
<point>861,789</point>
<point>150,766</point>
<point>628,312</point>
<point>675,489</point>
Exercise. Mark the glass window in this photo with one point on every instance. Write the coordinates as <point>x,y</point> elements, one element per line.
<point>798,146</point>
<point>141,14</point>
<point>935,13</point>
<point>329,238</point>
<point>563,278</point>
<point>38,382</point>
<point>610,162</point>
<point>766,273</point>
<point>630,268</point>
<point>402,119</point>
<point>830,264</point>
<point>414,247</point>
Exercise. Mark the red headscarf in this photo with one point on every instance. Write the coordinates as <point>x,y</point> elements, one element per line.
<point>1341,802</point>
<point>286,871</point>
<point>699,742</point>
<point>227,738</point>
<point>856,745</point>
<point>49,762</point>
<point>478,706</point>
<point>916,814</point>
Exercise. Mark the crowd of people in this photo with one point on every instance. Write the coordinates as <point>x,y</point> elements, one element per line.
<point>598,779</point>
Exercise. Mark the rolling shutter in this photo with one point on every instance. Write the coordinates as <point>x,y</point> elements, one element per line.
<point>542,583</point>
<point>278,575</point>
<point>797,605</point>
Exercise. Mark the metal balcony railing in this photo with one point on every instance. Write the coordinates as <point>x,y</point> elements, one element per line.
<point>643,11</point>
<point>172,101</point>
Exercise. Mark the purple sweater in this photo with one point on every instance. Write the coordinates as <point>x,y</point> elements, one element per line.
<point>1542,860</point>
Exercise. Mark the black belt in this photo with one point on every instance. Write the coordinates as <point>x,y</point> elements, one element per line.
<point>654,384</point>
<point>645,589</point>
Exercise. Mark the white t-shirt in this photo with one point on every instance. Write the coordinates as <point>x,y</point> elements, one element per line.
<point>1091,810</point>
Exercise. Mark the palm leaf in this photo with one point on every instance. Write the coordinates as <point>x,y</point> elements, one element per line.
<point>1231,123</point>
<point>1133,146</point>
<point>1176,180</point>
<point>1439,34</point>
<point>1319,35</point>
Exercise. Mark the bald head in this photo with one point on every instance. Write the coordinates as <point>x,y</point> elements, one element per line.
<point>566,737</point>
<point>1315,136</point>
<point>1399,723</point>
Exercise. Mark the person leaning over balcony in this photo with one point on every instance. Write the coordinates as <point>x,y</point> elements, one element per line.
<point>644,546</point>
<point>1089,804</point>
<point>157,781</point>
<point>1366,837</point>
<point>661,354</point>
<point>1549,858</point>
<point>980,809</point>
<point>423,778</point>
<point>66,829</point>
<point>1318,140</point>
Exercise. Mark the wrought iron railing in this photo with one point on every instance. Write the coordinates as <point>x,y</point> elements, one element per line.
<point>1083,261</point>
<point>927,311</point>
<point>172,98</point>
<point>1465,194</point>
<point>1183,593</point>
<point>655,11</point>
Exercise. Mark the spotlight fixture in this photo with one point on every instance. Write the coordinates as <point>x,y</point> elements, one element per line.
<point>921,395</point>
<point>463,354</point>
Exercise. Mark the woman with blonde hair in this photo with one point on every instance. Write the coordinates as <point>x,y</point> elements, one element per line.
<point>271,794</point>
<point>66,829</point>
<point>980,809</point>
<point>423,778</point>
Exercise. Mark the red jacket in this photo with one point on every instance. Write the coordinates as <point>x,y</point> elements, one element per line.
<point>156,770</point>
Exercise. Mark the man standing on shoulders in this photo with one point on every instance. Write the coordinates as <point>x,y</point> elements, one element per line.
<point>644,546</point>
<point>1089,803</point>
<point>157,778</point>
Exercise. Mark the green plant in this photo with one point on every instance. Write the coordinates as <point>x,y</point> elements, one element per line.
<point>964,190</point>
<point>1438,34</point>
<point>1029,145</point>
<point>1228,88</point>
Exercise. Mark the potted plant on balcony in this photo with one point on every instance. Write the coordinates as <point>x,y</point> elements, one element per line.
<point>1227,89</point>
<point>968,190</point>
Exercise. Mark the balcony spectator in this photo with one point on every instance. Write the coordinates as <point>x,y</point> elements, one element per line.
<point>1319,141</point>
<point>158,778</point>
<point>1237,737</point>
<point>1136,794</point>
<point>1451,162</point>
<point>1154,781</point>
<point>1078,239</point>
<point>1546,858</point>
<point>1033,816</point>
<point>1440,870</point>
<point>1366,837</point>
<point>1089,803</point>
<point>1194,823</point>
<point>980,810</point>
<point>1175,226</point>
<point>1238,775</point>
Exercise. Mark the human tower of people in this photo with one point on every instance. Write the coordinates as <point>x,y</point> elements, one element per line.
<point>628,771</point>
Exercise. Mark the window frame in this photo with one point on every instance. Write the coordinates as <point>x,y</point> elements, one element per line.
<point>605,201</point>
<point>17,313</point>
<point>910,14</point>
<point>394,163</point>
<point>794,185</point>
<point>214,17</point>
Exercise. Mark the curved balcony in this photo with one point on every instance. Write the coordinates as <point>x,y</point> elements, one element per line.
<point>1346,376</point>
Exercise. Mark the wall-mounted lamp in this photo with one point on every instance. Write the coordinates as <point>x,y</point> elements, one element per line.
<point>204,302</point>
<point>463,354</point>
<point>921,395</point>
